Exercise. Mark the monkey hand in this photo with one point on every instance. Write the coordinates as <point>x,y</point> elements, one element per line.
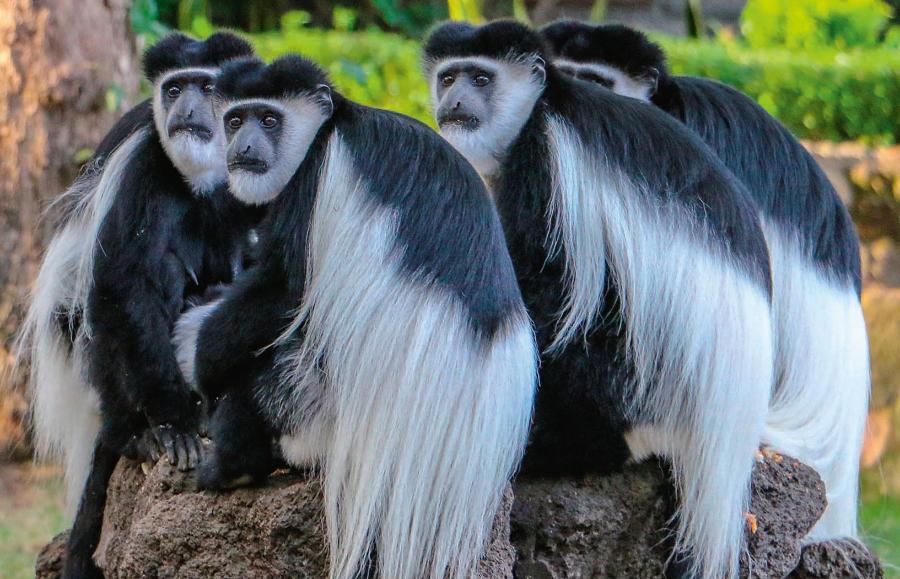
<point>183,448</point>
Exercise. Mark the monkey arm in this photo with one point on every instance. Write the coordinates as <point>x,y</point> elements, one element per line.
<point>254,312</point>
<point>132,313</point>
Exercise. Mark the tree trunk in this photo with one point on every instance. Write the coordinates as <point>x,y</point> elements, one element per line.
<point>67,68</point>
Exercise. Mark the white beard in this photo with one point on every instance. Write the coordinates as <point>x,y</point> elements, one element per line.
<point>202,163</point>
<point>475,146</point>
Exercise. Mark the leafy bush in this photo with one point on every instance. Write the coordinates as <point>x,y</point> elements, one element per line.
<point>377,68</point>
<point>823,94</point>
<point>810,24</point>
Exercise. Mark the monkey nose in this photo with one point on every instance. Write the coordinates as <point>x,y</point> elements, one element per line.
<point>246,149</point>
<point>457,105</point>
<point>190,113</point>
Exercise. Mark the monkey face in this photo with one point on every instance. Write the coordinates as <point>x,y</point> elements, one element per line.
<point>185,117</point>
<point>482,103</point>
<point>638,87</point>
<point>187,101</point>
<point>267,140</point>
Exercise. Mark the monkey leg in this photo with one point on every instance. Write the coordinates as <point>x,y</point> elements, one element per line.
<point>243,452</point>
<point>85,534</point>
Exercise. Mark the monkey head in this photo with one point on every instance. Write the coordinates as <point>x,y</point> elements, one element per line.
<point>616,57</point>
<point>271,117</point>
<point>183,72</point>
<point>484,82</point>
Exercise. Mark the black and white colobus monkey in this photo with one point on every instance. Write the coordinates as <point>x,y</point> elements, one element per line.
<point>643,266</point>
<point>149,224</point>
<point>818,410</point>
<point>402,358</point>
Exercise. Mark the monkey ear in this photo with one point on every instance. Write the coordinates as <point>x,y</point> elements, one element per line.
<point>322,95</point>
<point>651,79</point>
<point>539,67</point>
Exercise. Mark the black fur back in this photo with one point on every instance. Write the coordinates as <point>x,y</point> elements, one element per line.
<point>665,158</point>
<point>785,181</point>
<point>448,228</point>
<point>786,184</point>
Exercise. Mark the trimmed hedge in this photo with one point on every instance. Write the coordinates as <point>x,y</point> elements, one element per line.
<point>821,95</point>
<point>373,67</point>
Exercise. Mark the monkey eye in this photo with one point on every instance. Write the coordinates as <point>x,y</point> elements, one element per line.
<point>481,79</point>
<point>447,79</point>
<point>235,122</point>
<point>269,121</point>
<point>173,92</point>
<point>597,79</point>
<point>208,87</point>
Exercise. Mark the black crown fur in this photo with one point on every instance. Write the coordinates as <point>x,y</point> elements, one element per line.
<point>177,50</point>
<point>499,39</point>
<point>619,46</point>
<point>286,76</point>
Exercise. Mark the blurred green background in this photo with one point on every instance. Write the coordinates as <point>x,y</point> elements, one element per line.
<point>828,69</point>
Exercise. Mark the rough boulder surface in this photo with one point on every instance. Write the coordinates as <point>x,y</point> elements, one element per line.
<point>611,526</point>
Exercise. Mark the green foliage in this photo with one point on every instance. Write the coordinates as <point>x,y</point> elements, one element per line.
<point>826,94</point>
<point>823,94</point>
<point>377,68</point>
<point>146,19</point>
<point>810,24</point>
<point>410,17</point>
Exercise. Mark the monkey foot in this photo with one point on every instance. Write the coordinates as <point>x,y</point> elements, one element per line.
<point>184,450</point>
<point>213,475</point>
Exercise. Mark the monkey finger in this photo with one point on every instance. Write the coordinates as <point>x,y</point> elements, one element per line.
<point>194,452</point>
<point>157,449</point>
<point>181,444</point>
<point>169,444</point>
<point>202,450</point>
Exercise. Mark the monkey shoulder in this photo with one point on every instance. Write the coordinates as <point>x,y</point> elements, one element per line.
<point>409,158</point>
<point>447,226</point>
<point>140,116</point>
<point>663,158</point>
<point>784,182</point>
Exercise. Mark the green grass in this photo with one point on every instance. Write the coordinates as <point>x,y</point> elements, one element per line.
<point>31,513</point>
<point>880,525</point>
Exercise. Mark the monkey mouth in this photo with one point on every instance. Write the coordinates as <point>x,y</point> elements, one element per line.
<point>193,130</point>
<point>466,122</point>
<point>257,166</point>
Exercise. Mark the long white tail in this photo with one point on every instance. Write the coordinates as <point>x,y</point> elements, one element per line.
<point>64,409</point>
<point>428,418</point>
<point>698,331</point>
<point>818,412</point>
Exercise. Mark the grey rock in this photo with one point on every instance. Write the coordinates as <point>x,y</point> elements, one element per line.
<point>595,527</point>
